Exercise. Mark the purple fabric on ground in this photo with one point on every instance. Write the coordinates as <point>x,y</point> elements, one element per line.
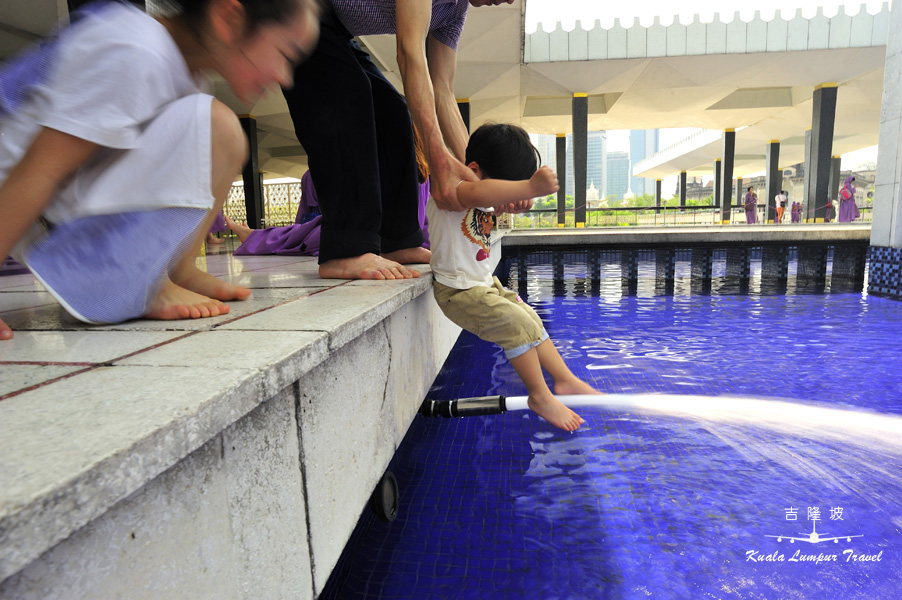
<point>219,224</point>
<point>292,240</point>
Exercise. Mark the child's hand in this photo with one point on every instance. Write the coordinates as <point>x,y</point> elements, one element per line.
<point>514,208</point>
<point>543,182</point>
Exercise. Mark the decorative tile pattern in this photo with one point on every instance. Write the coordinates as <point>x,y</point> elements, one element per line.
<point>885,272</point>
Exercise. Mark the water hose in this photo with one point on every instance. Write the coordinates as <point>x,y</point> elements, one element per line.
<point>496,405</point>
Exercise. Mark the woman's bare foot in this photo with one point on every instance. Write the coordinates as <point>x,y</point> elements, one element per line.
<point>573,386</point>
<point>242,231</point>
<point>175,302</point>
<point>212,239</point>
<point>193,279</point>
<point>367,266</point>
<point>410,256</point>
<point>551,409</point>
<point>5,332</point>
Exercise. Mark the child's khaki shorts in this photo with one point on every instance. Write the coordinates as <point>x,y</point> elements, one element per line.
<point>494,314</point>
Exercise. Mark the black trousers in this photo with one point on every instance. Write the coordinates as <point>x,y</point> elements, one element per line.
<point>357,132</point>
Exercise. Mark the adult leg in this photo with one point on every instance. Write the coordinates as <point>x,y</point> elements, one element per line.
<point>332,109</point>
<point>400,231</point>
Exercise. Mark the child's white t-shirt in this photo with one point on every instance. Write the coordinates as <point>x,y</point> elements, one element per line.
<point>464,253</point>
<point>112,74</point>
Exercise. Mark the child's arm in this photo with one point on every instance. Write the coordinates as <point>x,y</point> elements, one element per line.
<point>50,159</point>
<point>498,192</point>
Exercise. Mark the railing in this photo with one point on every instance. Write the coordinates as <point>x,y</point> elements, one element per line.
<point>281,201</point>
<point>651,216</point>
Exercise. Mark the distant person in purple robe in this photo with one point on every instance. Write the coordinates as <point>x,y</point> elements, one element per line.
<point>848,210</point>
<point>796,213</point>
<point>751,206</point>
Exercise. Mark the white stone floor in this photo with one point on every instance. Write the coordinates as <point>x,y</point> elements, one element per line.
<point>88,414</point>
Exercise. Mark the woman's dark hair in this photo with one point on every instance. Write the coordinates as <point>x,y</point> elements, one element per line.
<point>503,152</point>
<point>259,12</point>
<point>749,189</point>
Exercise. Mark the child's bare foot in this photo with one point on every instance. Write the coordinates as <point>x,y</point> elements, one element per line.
<point>367,266</point>
<point>212,239</point>
<point>410,256</point>
<point>5,332</point>
<point>193,279</point>
<point>551,409</point>
<point>574,386</point>
<point>242,231</point>
<point>174,302</point>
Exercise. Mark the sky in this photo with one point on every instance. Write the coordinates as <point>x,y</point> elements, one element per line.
<point>548,13</point>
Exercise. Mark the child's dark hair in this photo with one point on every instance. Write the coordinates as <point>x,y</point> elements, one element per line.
<point>259,12</point>
<point>503,152</point>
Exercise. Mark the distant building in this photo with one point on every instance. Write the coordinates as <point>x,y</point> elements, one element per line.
<point>643,143</point>
<point>596,149</point>
<point>618,174</point>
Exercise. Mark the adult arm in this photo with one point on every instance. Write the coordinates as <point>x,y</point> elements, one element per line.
<point>430,108</point>
<point>50,159</point>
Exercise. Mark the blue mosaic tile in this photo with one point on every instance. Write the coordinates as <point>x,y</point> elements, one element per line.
<point>650,504</point>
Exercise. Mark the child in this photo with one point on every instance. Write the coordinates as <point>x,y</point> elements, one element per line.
<point>463,261</point>
<point>119,138</point>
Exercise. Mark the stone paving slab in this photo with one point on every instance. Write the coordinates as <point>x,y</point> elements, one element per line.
<point>89,415</point>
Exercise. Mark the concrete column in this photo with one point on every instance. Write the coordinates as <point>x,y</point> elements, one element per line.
<point>728,156</point>
<point>629,271</point>
<point>739,191</point>
<point>463,105</point>
<point>593,270</point>
<point>823,117</point>
<point>884,276</point>
<point>580,156</point>
<point>253,183</point>
<point>774,179</point>
<point>739,262</point>
<point>682,189</point>
<point>561,151</point>
<point>774,263</point>
<point>807,183</point>
<point>665,270</point>
<point>718,168</point>
<point>701,263</point>
<point>848,268</point>
<point>657,196</point>
<point>835,166</point>
<point>812,270</point>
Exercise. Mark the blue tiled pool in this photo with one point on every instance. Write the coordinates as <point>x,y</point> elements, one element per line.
<point>690,502</point>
